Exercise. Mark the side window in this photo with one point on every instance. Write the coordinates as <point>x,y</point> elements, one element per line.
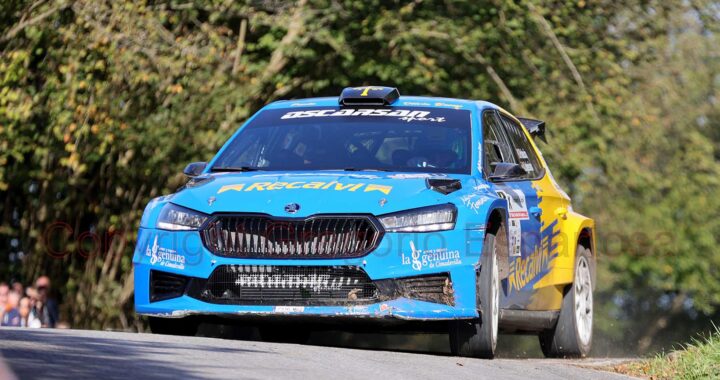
<point>523,148</point>
<point>496,146</point>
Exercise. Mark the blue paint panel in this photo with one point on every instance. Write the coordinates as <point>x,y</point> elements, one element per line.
<point>377,193</point>
<point>524,237</point>
<point>387,261</point>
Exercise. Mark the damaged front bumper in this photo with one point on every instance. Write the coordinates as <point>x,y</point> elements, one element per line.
<point>428,282</point>
<point>404,309</point>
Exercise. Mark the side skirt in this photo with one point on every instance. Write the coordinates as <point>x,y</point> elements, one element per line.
<point>520,321</point>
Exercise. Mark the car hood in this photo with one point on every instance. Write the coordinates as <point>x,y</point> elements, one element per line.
<point>315,193</point>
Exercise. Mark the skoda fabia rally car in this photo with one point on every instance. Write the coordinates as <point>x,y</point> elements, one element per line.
<point>379,207</point>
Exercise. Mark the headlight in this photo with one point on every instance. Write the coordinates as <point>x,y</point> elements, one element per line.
<point>426,219</point>
<point>176,218</point>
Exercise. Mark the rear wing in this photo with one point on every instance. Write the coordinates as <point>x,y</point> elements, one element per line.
<point>535,127</point>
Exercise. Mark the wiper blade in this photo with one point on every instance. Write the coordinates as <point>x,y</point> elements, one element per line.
<point>234,169</point>
<point>365,170</point>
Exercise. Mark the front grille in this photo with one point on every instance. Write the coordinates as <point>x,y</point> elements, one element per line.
<point>285,286</point>
<point>436,288</point>
<point>166,285</point>
<point>261,236</point>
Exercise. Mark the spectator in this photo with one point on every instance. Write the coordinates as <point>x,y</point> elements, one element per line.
<point>18,287</point>
<point>4,290</point>
<point>27,311</point>
<point>32,296</point>
<point>45,308</point>
<point>11,317</point>
<point>28,307</point>
<point>24,308</point>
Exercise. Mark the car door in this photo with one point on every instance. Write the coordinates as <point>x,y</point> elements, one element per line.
<point>547,269</point>
<point>503,143</point>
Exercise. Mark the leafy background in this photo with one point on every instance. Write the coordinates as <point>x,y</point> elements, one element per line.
<point>102,103</point>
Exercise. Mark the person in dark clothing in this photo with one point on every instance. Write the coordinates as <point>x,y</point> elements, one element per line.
<point>46,308</point>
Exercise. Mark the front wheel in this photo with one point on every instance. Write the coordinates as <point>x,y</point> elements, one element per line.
<point>572,336</point>
<point>478,338</point>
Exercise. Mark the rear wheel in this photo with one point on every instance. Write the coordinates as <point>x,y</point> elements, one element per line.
<point>478,338</point>
<point>173,326</point>
<point>572,336</point>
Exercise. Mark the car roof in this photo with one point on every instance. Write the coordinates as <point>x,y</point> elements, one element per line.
<point>403,101</point>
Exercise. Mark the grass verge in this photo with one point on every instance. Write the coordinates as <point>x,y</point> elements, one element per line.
<point>698,360</point>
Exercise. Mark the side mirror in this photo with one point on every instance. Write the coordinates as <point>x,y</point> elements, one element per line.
<point>194,169</point>
<point>506,170</point>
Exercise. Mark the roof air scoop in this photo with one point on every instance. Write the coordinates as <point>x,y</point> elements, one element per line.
<point>369,96</point>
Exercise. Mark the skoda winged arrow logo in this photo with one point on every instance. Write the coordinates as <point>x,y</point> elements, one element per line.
<point>292,208</point>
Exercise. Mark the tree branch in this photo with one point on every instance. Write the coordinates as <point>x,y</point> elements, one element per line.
<point>240,45</point>
<point>278,59</point>
<point>24,24</point>
<point>504,89</point>
<point>547,28</point>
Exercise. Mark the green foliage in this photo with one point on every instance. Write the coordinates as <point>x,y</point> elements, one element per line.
<point>103,102</point>
<point>699,360</point>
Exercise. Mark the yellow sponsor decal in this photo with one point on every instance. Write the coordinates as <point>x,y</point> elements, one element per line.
<point>526,270</point>
<point>313,185</point>
<point>231,187</point>
<point>381,188</point>
<point>332,185</point>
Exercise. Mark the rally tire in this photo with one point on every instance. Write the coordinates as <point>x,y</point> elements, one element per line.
<point>478,338</point>
<point>173,326</point>
<point>572,335</point>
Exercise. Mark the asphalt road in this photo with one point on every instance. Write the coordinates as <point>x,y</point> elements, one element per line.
<point>62,354</point>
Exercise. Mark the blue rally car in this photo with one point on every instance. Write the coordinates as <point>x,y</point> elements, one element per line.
<point>379,207</point>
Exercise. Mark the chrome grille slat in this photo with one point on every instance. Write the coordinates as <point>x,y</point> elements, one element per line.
<point>262,236</point>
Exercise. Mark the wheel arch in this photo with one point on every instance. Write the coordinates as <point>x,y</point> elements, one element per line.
<point>580,231</point>
<point>586,238</point>
<point>497,216</point>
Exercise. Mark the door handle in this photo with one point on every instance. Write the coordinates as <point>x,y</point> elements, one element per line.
<point>536,211</point>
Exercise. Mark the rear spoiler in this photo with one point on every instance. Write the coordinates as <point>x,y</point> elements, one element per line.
<point>535,127</point>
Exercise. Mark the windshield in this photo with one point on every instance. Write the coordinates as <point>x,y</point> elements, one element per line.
<point>428,140</point>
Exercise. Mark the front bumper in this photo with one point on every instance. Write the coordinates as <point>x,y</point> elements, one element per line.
<point>399,255</point>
